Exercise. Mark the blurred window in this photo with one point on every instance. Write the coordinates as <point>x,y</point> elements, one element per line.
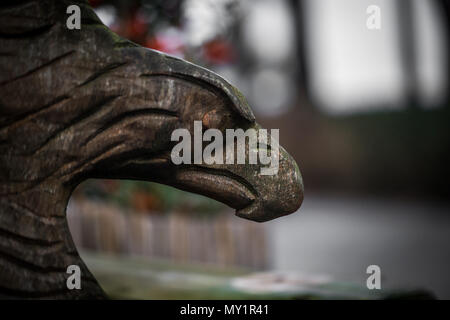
<point>353,68</point>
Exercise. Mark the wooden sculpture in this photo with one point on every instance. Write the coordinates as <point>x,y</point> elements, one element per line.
<point>79,104</point>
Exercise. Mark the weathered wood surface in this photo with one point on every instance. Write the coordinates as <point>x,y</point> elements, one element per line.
<point>78,104</point>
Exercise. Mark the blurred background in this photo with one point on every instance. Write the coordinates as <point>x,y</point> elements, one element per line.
<point>360,95</point>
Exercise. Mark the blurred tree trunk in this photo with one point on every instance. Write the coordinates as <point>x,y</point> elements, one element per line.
<point>301,74</point>
<point>444,6</point>
<point>407,43</point>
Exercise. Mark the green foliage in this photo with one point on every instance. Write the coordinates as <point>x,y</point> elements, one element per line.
<point>165,198</point>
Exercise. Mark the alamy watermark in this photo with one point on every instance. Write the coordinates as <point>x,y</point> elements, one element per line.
<point>259,150</point>
<point>74,280</point>
<point>373,21</point>
<point>74,20</point>
<point>374,280</point>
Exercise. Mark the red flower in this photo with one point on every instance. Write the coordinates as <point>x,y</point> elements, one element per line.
<point>218,51</point>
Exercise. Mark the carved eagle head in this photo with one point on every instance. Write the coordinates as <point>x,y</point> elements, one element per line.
<point>79,104</point>
<point>86,103</point>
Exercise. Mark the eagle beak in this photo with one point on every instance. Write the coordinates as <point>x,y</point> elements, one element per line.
<point>276,195</point>
<point>255,196</point>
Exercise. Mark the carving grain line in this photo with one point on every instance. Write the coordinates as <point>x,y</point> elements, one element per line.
<point>102,72</point>
<point>226,174</point>
<point>27,240</point>
<point>47,219</point>
<point>129,115</point>
<point>22,263</point>
<point>48,63</point>
<point>200,82</point>
<point>33,183</point>
<point>189,79</point>
<point>85,115</point>
<point>91,160</point>
<point>29,115</point>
